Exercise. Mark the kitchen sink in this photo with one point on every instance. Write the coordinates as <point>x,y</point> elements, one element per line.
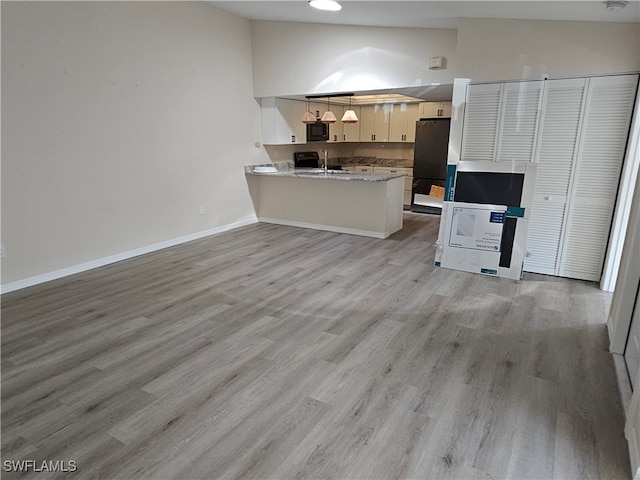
<point>320,170</point>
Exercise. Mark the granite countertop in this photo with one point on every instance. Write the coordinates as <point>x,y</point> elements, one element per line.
<point>376,162</point>
<point>286,169</point>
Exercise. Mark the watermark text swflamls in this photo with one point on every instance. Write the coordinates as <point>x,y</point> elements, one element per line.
<point>39,466</point>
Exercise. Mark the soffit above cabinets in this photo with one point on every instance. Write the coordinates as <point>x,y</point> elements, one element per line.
<point>426,93</point>
<point>377,98</point>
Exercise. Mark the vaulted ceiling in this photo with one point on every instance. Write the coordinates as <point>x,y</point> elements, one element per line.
<point>430,14</point>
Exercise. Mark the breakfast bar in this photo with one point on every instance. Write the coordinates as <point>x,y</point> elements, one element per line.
<point>332,200</point>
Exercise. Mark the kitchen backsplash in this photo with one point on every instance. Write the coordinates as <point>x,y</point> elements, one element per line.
<point>383,154</point>
<point>380,161</point>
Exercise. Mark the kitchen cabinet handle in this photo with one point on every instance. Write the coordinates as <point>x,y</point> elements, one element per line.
<point>293,139</point>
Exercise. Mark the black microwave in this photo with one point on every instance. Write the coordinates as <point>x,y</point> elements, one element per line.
<point>317,132</point>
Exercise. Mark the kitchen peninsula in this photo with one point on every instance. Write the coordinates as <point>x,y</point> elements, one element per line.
<point>335,201</point>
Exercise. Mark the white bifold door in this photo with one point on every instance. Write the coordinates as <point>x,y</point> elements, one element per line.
<point>575,130</point>
<point>557,148</point>
<point>582,136</point>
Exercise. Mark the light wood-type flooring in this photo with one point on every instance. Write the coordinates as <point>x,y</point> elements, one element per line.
<point>279,352</point>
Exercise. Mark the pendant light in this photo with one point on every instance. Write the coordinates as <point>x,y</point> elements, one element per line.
<point>328,116</point>
<point>309,117</point>
<point>349,116</point>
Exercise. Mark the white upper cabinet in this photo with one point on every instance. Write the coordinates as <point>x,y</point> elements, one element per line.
<point>336,133</point>
<point>282,121</point>
<point>402,124</point>
<point>385,122</point>
<point>317,108</point>
<point>374,122</point>
<point>340,132</point>
<point>434,110</point>
<point>351,131</point>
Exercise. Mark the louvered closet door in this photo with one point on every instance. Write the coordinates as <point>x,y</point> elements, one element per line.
<point>519,121</point>
<point>480,130</point>
<point>597,171</point>
<point>557,143</point>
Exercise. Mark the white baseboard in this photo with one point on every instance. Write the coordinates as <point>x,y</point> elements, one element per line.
<point>328,228</point>
<point>100,262</point>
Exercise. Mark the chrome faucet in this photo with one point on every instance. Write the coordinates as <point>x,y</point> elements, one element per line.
<point>326,154</point>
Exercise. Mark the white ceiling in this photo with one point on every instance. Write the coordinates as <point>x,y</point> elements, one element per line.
<point>429,14</point>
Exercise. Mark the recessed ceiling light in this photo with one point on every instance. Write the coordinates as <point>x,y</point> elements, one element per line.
<point>615,5</point>
<point>325,5</point>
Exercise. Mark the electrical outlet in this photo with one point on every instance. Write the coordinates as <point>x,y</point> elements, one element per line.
<point>202,210</point>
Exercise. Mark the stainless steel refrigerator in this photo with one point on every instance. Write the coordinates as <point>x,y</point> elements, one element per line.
<point>429,162</point>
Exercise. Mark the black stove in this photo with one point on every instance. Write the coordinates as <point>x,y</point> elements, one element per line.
<point>306,159</point>
<point>310,160</point>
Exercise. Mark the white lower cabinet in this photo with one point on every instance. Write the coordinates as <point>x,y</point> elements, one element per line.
<point>408,179</point>
<point>358,168</point>
<point>407,172</point>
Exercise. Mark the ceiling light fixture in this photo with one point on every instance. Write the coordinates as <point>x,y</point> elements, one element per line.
<point>309,117</point>
<point>350,116</point>
<point>328,5</point>
<point>328,116</point>
<point>615,5</point>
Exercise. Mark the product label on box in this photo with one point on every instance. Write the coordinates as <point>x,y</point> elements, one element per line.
<point>476,228</point>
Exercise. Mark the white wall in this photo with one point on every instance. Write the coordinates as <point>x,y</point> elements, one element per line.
<point>299,58</point>
<point>119,120</point>
<point>624,296</point>
<point>624,299</point>
<point>497,49</point>
<point>292,58</point>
